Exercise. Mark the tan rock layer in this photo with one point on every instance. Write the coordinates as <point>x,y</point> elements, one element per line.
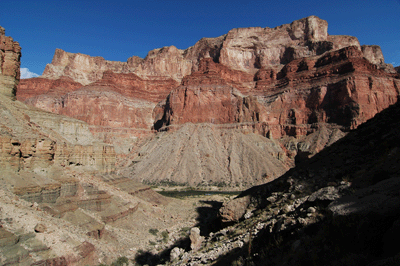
<point>10,53</point>
<point>244,49</point>
<point>84,68</point>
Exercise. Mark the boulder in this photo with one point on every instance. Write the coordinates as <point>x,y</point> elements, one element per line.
<point>196,239</point>
<point>40,228</point>
<point>233,211</point>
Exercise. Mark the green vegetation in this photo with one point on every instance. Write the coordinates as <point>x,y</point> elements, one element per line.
<point>184,232</point>
<point>153,231</point>
<point>165,236</point>
<point>121,261</point>
<point>192,193</point>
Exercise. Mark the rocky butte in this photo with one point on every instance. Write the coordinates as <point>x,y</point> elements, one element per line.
<point>81,144</point>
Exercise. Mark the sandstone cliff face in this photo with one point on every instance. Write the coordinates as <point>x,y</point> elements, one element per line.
<point>373,53</point>
<point>249,49</point>
<point>29,88</point>
<point>245,49</point>
<point>153,88</point>
<point>339,87</point>
<point>83,68</point>
<point>33,139</point>
<point>205,97</point>
<point>10,53</point>
<point>118,107</point>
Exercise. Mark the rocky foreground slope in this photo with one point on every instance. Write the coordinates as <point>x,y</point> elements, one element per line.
<point>61,202</point>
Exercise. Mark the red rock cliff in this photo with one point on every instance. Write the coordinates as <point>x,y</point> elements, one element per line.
<point>245,49</point>
<point>339,87</point>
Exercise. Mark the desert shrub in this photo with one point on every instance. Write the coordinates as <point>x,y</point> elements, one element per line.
<point>165,236</point>
<point>121,261</point>
<point>153,231</point>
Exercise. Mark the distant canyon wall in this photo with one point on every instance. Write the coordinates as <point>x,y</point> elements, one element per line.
<point>245,49</point>
<point>292,80</point>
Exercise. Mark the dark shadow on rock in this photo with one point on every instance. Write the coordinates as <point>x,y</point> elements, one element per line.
<point>208,221</point>
<point>348,240</point>
<point>208,217</point>
<point>147,258</point>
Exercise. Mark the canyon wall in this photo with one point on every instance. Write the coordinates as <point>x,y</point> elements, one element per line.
<point>294,83</point>
<point>34,139</point>
<point>84,68</point>
<point>245,49</point>
<point>340,87</point>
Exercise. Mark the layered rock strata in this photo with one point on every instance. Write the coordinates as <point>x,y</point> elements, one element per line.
<point>340,87</point>
<point>84,68</point>
<point>32,138</point>
<point>118,107</point>
<point>290,77</point>
<point>10,54</point>
<point>245,49</point>
<point>294,83</point>
<point>29,88</point>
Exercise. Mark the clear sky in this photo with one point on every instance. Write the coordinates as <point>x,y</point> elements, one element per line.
<point>117,30</point>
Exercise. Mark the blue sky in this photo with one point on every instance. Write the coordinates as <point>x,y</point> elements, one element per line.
<point>117,30</point>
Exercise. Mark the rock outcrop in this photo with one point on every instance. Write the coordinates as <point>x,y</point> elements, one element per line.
<point>373,53</point>
<point>246,49</point>
<point>339,87</point>
<point>84,68</point>
<point>30,88</point>
<point>206,97</point>
<point>249,49</point>
<point>116,106</point>
<point>33,139</point>
<point>10,54</point>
